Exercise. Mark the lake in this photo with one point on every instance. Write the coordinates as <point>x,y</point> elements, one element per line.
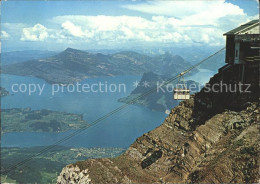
<point>202,76</point>
<point>119,130</point>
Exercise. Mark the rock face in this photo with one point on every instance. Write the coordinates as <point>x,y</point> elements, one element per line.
<point>225,149</point>
<point>71,175</point>
<point>210,138</point>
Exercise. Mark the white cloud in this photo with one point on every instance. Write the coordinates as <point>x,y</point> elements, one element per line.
<point>103,22</point>
<point>186,8</point>
<point>101,27</point>
<point>184,22</point>
<point>4,35</point>
<point>194,13</point>
<point>14,30</point>
<point>158,29</point>
<point>36,33</point>
<point>168,8</point>
<point>72,29</point>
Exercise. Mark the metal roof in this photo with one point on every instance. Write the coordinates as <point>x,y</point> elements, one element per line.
<point>242,27</point>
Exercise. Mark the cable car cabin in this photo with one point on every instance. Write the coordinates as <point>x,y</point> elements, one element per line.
<point>181,94</point>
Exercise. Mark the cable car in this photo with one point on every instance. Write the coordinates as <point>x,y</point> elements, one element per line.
<point>181,93</point>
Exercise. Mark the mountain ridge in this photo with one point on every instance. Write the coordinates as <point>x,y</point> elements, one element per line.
<point>72,65</point>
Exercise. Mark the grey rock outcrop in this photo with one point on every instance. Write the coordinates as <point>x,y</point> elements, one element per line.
<point>73,175</point>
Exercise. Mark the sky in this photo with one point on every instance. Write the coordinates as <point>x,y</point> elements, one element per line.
<point>56,25</point>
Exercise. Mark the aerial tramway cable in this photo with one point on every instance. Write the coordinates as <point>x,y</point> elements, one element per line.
<point>105,116</point>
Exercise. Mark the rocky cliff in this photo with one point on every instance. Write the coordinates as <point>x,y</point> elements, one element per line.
<point>211,138</point>
<point>71,175</point>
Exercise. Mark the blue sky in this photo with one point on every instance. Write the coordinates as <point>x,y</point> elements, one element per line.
<point>56,25</point>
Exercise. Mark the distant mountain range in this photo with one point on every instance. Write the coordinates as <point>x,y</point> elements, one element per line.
<point>162,98</point>
<point>74,65</point>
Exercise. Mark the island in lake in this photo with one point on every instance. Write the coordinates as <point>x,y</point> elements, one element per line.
<point>27,120</point>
